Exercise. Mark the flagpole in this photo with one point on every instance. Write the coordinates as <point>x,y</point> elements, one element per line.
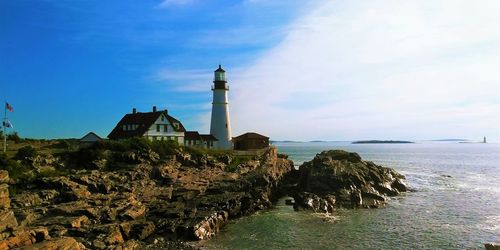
<point>4,134</point>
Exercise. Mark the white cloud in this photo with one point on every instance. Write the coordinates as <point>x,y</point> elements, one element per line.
<point>193,80</point>
<point>377,69</point>
<point>169,3</point>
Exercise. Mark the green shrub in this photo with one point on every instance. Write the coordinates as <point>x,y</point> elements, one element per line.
<point>237,160</point>
<point>15,169</point>
<point>14,137</point>
<point>165,148</point>
<point>25,152</point>
<point>63,144</point>
<point>203,151</point>
<point>83,157</point>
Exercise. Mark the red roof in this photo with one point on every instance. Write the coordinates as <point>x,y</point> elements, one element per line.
<point>192,136</point>
<point>250,135</point>
<point>144,121</point>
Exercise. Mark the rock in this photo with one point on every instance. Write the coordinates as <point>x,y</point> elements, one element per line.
<point>138,230</point>
<point>4,177</point>
<point>62,243</point>
<point>131,204</point>
<point>346,180</point>
<point>25,237</point>
<point>168,173</point>
<point>31,198</point>
<point>210,225</point>
<point>305,200</point>
<point>69,190</point>
<point>75,208</point>
<point>4,196</point>
<point>114,236</point>
<point>66,221</point>
<point>133,212</point>
<point>128,245</point>
<point>289,202</point>
<point>491,246</point>
<point>7,220</point>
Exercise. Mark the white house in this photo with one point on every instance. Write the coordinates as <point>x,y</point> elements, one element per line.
<point>155,125</point>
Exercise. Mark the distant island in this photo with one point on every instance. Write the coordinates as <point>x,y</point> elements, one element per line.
<point>379,142</point>
<point>452,140</point>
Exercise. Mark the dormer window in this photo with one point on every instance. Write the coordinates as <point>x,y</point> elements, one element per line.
<point>162,118</point>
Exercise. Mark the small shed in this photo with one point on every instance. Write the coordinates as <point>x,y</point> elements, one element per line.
<point>250,141</point>
<point>89,138</point>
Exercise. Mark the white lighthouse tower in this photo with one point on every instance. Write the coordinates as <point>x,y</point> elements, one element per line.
<point>220,126</point>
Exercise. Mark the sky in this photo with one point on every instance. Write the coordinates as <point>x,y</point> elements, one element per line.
<point>297,70</point>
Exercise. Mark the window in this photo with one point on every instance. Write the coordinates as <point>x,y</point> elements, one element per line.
<point>162,118</point>
<point>158,128</point>
<point>154,138</point>
<point>124,127</point>
<point>165,128</point>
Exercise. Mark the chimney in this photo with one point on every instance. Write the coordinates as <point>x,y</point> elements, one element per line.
<point>134,110</point>
<point>154,108</point>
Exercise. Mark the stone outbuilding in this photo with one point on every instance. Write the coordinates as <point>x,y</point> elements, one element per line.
<point>250,141</point>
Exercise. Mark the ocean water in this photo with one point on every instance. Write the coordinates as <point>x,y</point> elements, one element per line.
<point>455,204</point>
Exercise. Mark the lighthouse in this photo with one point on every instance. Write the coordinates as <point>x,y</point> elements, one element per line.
<point>220,125</point>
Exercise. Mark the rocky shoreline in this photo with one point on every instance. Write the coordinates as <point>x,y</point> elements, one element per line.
<point>145,203</point>
<point>338,178</point>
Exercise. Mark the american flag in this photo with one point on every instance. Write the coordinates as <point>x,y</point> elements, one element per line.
<point>9,107</point>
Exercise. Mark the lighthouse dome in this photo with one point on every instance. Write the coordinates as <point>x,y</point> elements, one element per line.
<point>220,75</point>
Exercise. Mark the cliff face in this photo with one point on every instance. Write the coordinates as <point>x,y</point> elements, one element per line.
<point>185,198</point>
<point>337,178</point>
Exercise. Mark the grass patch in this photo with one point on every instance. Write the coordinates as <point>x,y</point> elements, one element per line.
<point>237,160</point>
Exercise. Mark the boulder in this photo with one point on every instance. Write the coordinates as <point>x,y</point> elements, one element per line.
<point>7,220</point>
<point>4,196</point>
<point>4,177</point>
<point>25,237</point>
<point>210,225</point>
<point>346,180</point>
<point>491,246</point>
<point>310,201</point>
<point>65,221</point>
<point>137,229</point>
<point>62,243</point>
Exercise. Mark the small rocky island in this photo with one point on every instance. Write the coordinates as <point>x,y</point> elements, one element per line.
<point>381,142</point>
<point>138,195</point>
<point>337,178</point>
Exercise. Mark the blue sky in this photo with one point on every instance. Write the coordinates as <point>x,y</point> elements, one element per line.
<point>69,67</point>
<point>303,70</point>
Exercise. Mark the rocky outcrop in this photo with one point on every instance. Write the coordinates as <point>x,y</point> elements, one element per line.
<point>21,235</point>
<point>135,200</point>
<point>142,199</point>
<point>337,178</point>
<point>491,246</point>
